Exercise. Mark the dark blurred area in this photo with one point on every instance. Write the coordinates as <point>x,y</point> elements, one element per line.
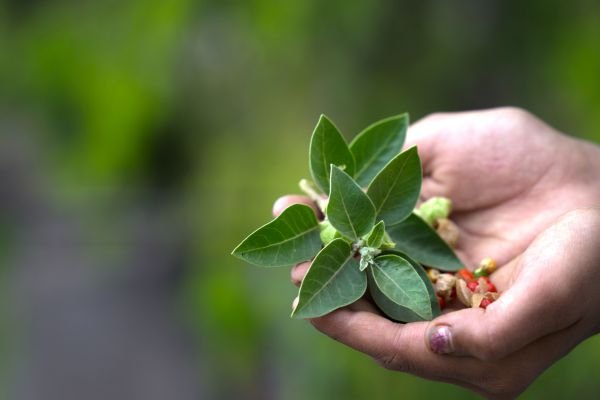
<point>141,140</point>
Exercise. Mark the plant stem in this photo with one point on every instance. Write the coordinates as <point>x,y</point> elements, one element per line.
<point>311,191</point>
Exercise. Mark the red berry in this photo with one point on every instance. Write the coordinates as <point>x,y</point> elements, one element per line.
<point>491,286</point>
<point>465,274</point>
<point>484,303</point>
<point>441,301</point>
<point>472,286</point>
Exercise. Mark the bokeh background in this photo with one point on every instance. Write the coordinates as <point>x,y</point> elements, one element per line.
<point>141,140</point>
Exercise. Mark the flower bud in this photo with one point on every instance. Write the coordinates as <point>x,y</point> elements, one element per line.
<point>434,209</point>
<point>327,232</point>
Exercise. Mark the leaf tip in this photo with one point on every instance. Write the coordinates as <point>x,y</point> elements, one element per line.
<point>295,307</point>
<point>297,315</point>
<point>235,252</point>
<point>413,148</point>
<point>240,255</point>
<point>324,119</point>
<point>404,116</point>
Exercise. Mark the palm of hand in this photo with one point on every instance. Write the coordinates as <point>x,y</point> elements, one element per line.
<point>509,176</point>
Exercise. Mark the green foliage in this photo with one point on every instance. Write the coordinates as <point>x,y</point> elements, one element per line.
<point>349,210</point>
<point>333,281</point>
<point>288,239</point>
<point>375,238</point>
<point>328,147</point>
<point>399,282</point>
<point>336,277</point>
<point>377,145</point>
<point>415,237</point>
<point>395,190</point>
<point>390,308</point>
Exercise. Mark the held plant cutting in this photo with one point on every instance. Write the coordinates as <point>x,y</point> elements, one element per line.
<point>371,236</point>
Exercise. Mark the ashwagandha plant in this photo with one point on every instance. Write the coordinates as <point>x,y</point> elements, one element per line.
<point>370,238</point>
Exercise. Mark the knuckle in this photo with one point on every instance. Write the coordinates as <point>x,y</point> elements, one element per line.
<point>434,116</point>
<point>394,362</point>
<point>388,362</point>
<point>514,113</point>
<point>514,118</point>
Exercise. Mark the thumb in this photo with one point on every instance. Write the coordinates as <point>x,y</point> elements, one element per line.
<point>533,307</point>
<point>504,327</point>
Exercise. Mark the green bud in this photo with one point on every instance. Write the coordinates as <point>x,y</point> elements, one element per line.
<point>367,256</point>
<point>388,243</point>
<point>327,232</point>
<point>433,209</point>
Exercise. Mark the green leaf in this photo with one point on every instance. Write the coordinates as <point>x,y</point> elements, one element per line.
<point>416,238</point>
<point>364,263</point>
<point>327,146</point>
<point>288,239</point>
<point>376,236</point>
<point>435,306</point>
<point>398,280</point>
<point>332,281</point>
<point>387,306</point>
<point>376,145</point>
<point>395,190</point>
<point>349,210</point>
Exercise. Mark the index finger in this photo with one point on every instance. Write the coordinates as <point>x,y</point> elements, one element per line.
<point>285,201</point>
<point>395,346</point>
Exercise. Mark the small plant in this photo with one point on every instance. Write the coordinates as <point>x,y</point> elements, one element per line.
<point>371,237</point>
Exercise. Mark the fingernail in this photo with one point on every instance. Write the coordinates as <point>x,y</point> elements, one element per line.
<point>440,340</point>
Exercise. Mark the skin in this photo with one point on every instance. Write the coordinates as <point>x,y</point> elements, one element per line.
<point>529,197</point>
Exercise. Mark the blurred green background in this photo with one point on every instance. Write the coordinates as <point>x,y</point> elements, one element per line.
<point>201,112</point>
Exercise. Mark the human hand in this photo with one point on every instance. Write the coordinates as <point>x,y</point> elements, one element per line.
<point>504,197</point>
<point>508,174</point>
<point>550,307</point>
